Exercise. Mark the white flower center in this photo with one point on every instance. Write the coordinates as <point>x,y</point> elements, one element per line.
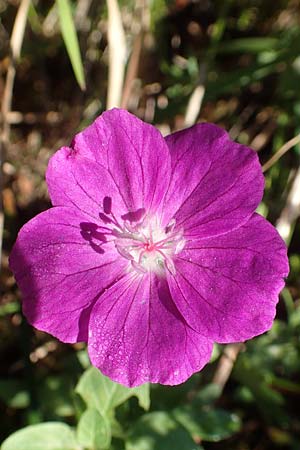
<point>148,246</point>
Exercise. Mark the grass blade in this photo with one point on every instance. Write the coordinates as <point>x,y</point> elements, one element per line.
<point>69,35</point>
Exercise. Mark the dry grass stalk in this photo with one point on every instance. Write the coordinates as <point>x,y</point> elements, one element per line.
<point>16,41</point>
<point>284,149</point>
<point>291,211</point>
<point>196,99</point>
<point>117,55</point>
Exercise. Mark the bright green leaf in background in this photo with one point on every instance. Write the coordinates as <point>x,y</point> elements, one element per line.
<point>70,39</point>
<point>93,430</point>
<point>44,436</point>
<point>101,393</point>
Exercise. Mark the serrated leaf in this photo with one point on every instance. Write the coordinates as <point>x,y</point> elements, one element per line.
<point>101,393</point>
<point>93,430</point>
<point>158,430</point>
<point>69,35</point>
<point>43,436</point>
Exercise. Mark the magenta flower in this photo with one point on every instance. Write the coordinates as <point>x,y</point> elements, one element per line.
<point>152,251</point>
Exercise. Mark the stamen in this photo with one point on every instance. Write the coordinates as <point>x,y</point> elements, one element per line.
<point>129,227</point>
<point>138,267</point>
<point>171,225</point>
<point>171,266</point>
<point>147,246</point>
<point>123,252</point>
<point>168,262</point>
<point>180,246</point>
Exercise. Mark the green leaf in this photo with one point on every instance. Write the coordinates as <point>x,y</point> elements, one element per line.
<point>14,394</point>
<point>44,436</point>
<point>9,308</point>
<point>207,395</point>
<point>240,78</point>
<point>69,35</point>
<point>103,394</point>
<point>143,395</point>
<point>34,20</point>
<point>55,396</point>
<point>211,425</point>
<point>258,379</point>
<point>93,430</point>
<point>158,430</point>
<point>249,45</point>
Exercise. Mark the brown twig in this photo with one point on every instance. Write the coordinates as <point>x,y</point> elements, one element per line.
<point>132,69</point>
<point>261,139</point>
<point>15,45</point>
<point>284,149</point>
<point>226,364</point>
<point>81,13</point>
<point>243,117</point>
<point>291,211</point>
<point>140,26</point>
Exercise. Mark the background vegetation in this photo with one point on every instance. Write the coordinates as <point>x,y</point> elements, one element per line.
<point>232,62</point>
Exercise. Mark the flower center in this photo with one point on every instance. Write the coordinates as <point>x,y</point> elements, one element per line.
<point>148,246</point>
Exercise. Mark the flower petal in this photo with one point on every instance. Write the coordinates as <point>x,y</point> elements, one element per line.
<point>216,183</point>
<point>76,181</point>
<point>62,264</point>
<point>118,157</point>
<point>137,335</point>
<point>229,285</point>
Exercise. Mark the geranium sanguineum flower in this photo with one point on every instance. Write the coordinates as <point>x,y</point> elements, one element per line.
<point>152,251</point>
